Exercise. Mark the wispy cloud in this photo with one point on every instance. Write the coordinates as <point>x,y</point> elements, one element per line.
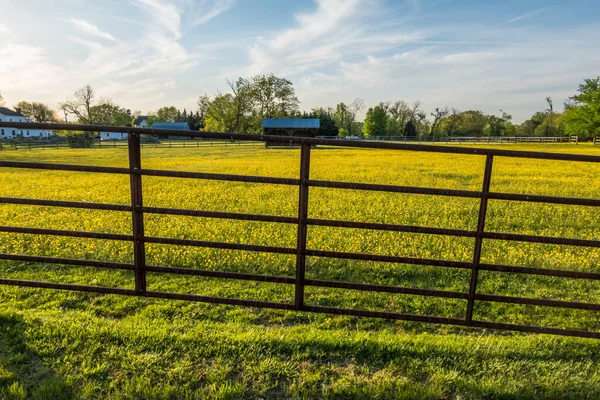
<point>91,29</point>
<point>526,16</point>
<point>213,10</point>
<point>334,30</point>
<point>164,14</point>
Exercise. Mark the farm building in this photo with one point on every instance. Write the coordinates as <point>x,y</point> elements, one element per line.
<point>141,121</point>
<point>177,126</point>
<point>113,136</point>
<point>301,127</point>
<point>8,115</point>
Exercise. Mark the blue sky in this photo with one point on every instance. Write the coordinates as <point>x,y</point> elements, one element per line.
<point>144,54</point>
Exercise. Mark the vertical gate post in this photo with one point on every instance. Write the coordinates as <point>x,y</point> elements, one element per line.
<point>302,228</point>
<point>139,251</point>
<point>487,178</point>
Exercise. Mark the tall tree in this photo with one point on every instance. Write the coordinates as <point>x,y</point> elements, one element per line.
<point>168,114</point>
<point>472,123</point>
<point>452,121</point>
<point>108,113</point>
<point>550,115</point>
<point>328,126</point>
<point>582,111</point>
<point>81,105</point>
<point>2,102</point>
<point>410,129</point>
<point>376,122</point>
<point>438,115</point>
<point>36,112</point>
<point>273,96</point>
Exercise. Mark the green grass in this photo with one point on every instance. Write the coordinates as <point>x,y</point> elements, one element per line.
<point>75,345</point>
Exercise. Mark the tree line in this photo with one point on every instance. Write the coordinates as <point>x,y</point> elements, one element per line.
<point>249,100</point>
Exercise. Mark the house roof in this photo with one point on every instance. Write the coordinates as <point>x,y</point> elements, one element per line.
<point>297,123</point>
<point>178,126</point>
<point>9,112</point>
<point>139,119</point>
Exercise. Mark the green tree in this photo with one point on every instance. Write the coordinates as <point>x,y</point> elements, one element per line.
<point>376,122</point>
<point>497,126</point>
<point>582,111</point>
<point>438,115</point>
<point>472,123</point>
<point>108,113</point>
<point>328,126</point>
<point>168,114</point>
<point>36,112</point>
<point>410,129</point>
<point>229,112</point>
<point>2,102</point>
<point>345,115</point>
<point>273,97</point>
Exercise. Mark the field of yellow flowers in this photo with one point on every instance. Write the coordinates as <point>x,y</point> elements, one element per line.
<point>79,345</point>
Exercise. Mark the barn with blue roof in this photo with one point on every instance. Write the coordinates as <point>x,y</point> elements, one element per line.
<point>299,127</point>
<point>175,126</point>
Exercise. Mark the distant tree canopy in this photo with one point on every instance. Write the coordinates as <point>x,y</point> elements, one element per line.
<point>248,101</point>
<point>36,112</point>
<point>582,111</point>
<point>376,122</point>
<point>328,126</point>
<point>2,102</point>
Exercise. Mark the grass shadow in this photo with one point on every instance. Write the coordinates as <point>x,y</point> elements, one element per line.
<point>23,375</point>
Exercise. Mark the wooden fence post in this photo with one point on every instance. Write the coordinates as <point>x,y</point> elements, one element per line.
<point>139,252</point>
<point>487,178</point>
<point>302,227</point>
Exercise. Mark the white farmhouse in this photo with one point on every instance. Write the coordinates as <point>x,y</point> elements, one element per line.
<point>113,136</point>
<point>141,122</point>
<point>8,115</point>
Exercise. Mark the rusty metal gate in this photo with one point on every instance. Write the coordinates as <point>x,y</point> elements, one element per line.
<point>302,221</point>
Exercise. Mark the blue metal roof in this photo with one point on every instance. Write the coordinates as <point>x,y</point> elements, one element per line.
<point>306,123</point>
<point>178,126</point>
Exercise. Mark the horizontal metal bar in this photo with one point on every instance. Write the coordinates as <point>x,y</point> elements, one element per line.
<point>544,199</point>
<point>538,302</point>
<point>223,215</point>
<point>541,271</point>
<point>219,177</point>
<point>385,288</point>
<point>391,227</point>
<point>56,232</point>
<point>317,309</point>
<point>394,189</point>
<point>67,204</point>
<point>393,259</point>
<point>535,329</point>
<point>541,239</point>
<point>221,274</point>
<point>67,286</point>
<point>66,261</point>
<point>220,245</point>
<point>63,167</point>
<point>385,314</point>
<point>311,141</point>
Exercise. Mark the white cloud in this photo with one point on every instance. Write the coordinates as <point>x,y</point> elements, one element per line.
<point>526,16</point>
<point>216,8</point>
<point>163,15</point>
<point>334,30</point>
<point>92,29</point>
